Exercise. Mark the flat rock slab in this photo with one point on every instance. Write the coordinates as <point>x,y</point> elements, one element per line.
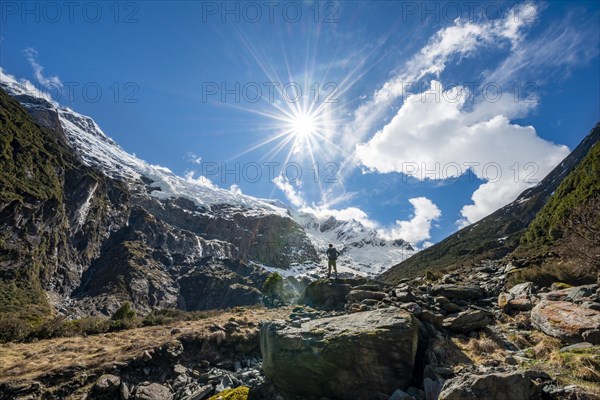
<point>351,356</point>
<point>507,386</point>
<point>467,321</point>
<point>452,291</point>
<point>564,320</point>
<point>360,295</point>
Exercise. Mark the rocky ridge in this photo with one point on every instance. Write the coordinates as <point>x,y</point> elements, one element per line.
<point>98,227</point>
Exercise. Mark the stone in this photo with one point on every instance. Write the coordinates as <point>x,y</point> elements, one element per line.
<point>403,296</point>
<point>452,308</point>
<point>350,356</point>
<point>173,349</point>
<point>564,320</point>
<point>179,369</point>
<point>576,346</point>
<point>325,294</point>
<point>518,298</point>
<point>124,391</point>
<point>520,304</point>
<point>521,290</point>
<point>592,305</point>
<point>592,336</point>
<point>432,388</point>
<point>412,308</point>
<point>467,321</point>
<point>418,394</point>
<point>360,295</point>
<point>146,356</point>
<point>580,292</point>
<point>106,386</point>
<point>431,317</point>
<point>495,386</point>
<point>152,391</point>
<point>452,291</point>
<point>200,394</point>
<point>401,395</point>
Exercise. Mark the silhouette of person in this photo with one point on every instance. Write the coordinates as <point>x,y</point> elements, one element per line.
<point>332,255</point>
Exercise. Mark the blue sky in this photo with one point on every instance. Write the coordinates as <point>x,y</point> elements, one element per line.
<point>410,96</point>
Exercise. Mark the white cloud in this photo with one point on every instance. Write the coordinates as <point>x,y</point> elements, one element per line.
<point>560,47</point>
<point>414,230</point>
<point>346,214</point>
<point>193,158</point>
<point>418,228</point>
<point>459,40</point>
<point>294,196</point>
<point>436,140</point>
<point>235,189</point>
<point>46,81</point>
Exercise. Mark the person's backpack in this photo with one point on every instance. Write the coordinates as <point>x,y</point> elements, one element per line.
<point>332,253</point>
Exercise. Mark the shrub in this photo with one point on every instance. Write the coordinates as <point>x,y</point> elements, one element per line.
<point>124,312</point>
<point>124,318</point>
<point>13,329</point>
<point>165,316</point>
<point>273,290</point>
<point>51,328</point>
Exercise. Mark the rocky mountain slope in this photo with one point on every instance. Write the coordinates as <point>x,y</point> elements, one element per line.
<point>464,336</point>
<point>86,226</point>
<point>498,234</point>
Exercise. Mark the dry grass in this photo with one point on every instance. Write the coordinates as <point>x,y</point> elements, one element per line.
<point>26,361</point>
<point>482,346</point>
<point>577,367</point>
<point>481,349</point>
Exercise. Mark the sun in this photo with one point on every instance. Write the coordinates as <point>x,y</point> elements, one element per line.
<point>303,125</point>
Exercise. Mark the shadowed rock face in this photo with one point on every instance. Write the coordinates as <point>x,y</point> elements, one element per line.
<point>347,357</point>
<point>329,294</point>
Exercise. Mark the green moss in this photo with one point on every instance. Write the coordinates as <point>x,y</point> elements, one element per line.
<point>30,156</point>
<point>239,393</point>
<point>32,164</point>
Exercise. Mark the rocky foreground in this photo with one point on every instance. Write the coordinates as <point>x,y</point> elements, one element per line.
<point>461,336</point>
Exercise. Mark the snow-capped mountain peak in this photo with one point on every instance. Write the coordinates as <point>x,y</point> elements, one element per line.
<point>363,250</point>
<point>98,150</point>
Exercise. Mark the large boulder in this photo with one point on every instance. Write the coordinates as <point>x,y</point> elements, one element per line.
<point>452,291</point>
<point>328,294</point>
<point>499,386</point>
<point>351,356</point>
<point>564,320</point>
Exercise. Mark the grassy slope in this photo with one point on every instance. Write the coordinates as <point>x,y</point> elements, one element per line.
<point>30,361</point>
<point>480,240</point>
<point>552,222</point>
<point>568,228</point>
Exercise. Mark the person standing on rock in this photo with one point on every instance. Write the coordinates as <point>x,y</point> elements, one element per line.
<point>332,255</point>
